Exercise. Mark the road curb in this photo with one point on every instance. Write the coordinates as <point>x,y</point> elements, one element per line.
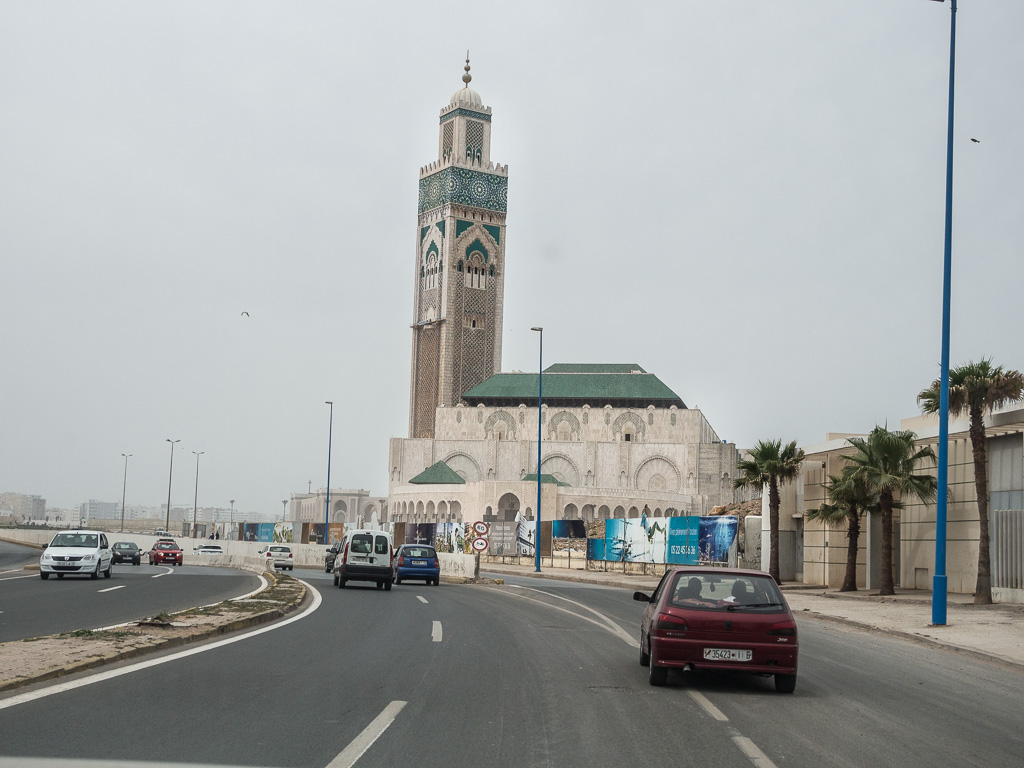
<point>264,617</point>
<point>970,653</point>
<point>575,579</point>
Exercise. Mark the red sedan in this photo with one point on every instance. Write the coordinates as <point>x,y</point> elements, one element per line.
<point>718,619</point>
<point>165,553</point>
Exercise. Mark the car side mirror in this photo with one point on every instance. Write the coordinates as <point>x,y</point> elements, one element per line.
<point>640,597</point>
<point>45,545</point>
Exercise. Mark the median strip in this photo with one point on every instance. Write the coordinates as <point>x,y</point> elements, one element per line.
<point>23,662</point>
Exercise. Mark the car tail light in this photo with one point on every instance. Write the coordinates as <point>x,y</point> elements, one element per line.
<point>786,628</point>
<point>289,554</point>
<point>670,624</point>
<point>401,561</point>
<point>437,563</point>
<point>344,555</point>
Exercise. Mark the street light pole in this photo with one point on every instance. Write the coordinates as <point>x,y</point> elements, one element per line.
<point>540,436</point>
<point>170,475</point>
<point>195,501</point>
<point>939,581</point>
<point>327,510</point>
<point>284,510</point>
<point>124,487</point>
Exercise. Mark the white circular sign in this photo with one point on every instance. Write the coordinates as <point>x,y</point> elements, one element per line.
<point>479,545</point>
<point>481,527</point>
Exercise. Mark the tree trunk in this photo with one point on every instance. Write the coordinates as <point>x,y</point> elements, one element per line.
<point>983,589</point>
<point>774,502</point>
<point>853,533</point>
<point>885,500</point>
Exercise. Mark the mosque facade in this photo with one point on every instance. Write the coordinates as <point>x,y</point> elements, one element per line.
<point>615,440</point>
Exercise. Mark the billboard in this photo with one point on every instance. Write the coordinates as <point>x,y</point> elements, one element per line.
<point>512,537</point>
<point>672,540</point>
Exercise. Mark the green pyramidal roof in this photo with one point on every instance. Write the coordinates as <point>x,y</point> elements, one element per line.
<point>437,474</point>
<point>624,385</point>
<point>546,479</point>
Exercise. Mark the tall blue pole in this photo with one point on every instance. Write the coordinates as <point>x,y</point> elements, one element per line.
<point>939,593</point>
<point>327,510</point>
<point>540,436</point>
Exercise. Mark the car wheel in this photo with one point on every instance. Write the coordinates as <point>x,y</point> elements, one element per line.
<point>398,581</point>
<point>380,585</point>
<point>109,572</point>
<point>658,675</point>
<point>341,583</point>
<point>387,585</point>
<point>645,658</point>
<point>335,578</point>
<point>95,574</point>
<point>436,582</point>
<point>44,576</point>
<point>785,683</point>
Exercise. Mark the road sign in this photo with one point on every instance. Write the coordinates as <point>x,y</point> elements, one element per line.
<point>479,545</point>
<point>480,528</point>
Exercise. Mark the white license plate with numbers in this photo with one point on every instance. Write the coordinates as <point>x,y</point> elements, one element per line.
<point>727,654</point>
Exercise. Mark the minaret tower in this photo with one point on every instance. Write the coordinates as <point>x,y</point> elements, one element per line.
<point>460,262</point>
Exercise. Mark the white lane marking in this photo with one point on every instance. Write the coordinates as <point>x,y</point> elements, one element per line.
<point>370,734</point>
<point>99,677</point>
<point>169,570</point>
<point>606,625</point>
<point>111,589</point>
<point>708,707</point>
<point>12,578</point>
<point>612,626</point>
<point>435,632</point>
<point>421,598</point>
<point>751,750</point>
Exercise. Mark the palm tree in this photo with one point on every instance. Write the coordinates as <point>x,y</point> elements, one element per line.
<point>974,389</point>
<point>887,462</point>
<point>770,463</point>
<point>848,499</point>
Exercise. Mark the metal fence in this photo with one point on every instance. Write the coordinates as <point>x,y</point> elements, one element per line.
<point>1007,536</point>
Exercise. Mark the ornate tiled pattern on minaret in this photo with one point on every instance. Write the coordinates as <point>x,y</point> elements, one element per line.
<point>460,263</point>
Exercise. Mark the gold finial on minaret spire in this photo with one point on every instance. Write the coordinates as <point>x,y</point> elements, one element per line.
<point>467,77</point>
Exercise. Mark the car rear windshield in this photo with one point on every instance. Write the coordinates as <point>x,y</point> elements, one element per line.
<point>75,540</point>
<point>725,592</point>
<point>280,549</point>
<point>382,545</point>
<point>124,545</point>
<point>362,543</point>
<point>419,552</point>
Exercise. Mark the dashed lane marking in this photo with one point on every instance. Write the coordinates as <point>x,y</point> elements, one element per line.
<point>369,734</point>
<point>111,589</point>
<point>435,632</point>
<point>421,598</point>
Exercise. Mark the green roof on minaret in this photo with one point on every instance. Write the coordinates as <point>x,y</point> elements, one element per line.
<point>622,385</point>
<point>438,474</point>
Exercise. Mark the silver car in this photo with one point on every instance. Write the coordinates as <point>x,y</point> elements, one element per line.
<point>278,556</point>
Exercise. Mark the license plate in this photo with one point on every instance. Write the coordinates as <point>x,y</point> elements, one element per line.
<point>727,654</point>
<point>419,562</point>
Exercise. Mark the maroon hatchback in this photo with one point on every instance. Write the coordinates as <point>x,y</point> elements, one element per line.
<point>718,618</point>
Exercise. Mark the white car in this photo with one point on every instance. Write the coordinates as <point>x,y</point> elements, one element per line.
<point>278,556</point>
<point>208,549</point>
<point>80,552</point>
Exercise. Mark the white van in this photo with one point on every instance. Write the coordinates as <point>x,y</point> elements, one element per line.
<point>365,556</point>
<point>84,552</point>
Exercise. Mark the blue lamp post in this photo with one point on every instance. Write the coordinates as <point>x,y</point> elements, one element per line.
<point>327,510</point>
<point>939,584</point>
<point>540,435</point>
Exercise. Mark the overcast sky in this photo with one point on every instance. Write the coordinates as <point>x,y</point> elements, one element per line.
<point>745,198</point>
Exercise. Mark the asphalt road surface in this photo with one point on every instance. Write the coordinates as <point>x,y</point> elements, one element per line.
<point>533,673</point>
<point>31,607</point>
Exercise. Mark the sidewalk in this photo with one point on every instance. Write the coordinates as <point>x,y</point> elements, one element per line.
<point>989,632</point>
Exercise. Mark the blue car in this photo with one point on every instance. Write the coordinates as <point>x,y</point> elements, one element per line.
<point>417,561</point>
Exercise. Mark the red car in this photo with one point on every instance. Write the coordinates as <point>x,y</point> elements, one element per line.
<point>165,553</point>
<point>718,619</point>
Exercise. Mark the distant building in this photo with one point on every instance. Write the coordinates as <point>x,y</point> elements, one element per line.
<point>347,506</point>
<point>24,506</point>
<point>99,510</point>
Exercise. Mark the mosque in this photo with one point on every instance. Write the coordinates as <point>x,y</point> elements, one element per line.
<point>614,438</point>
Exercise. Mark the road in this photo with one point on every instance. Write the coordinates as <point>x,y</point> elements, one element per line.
<point>534,673</point>
<point>31,607</point>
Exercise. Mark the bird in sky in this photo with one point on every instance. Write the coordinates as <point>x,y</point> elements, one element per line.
<point>246,314</point>
<point>976,141</point>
